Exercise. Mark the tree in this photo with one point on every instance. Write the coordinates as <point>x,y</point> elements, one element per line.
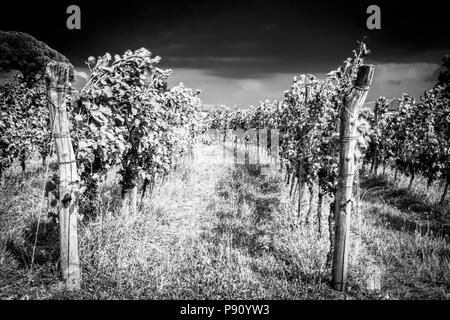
<point>22,52</point>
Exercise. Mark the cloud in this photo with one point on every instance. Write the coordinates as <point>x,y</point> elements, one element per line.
<point>394,79</point>
<point>250,84</point>
<point>405,71</point>
<point>434,77</point>
<point>231,67</point>
<point>243,92</point>
<point>81,77</point>
<point>81,74</point>
<point>395,82</point>
<point>391,80</point>
<point>212,59</point>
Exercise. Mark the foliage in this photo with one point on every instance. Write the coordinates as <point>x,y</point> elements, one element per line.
<point>127,116</point>
<point>22,52</point>
<point>24,121</point>
<point>415,137</point>
<point>308,119</point>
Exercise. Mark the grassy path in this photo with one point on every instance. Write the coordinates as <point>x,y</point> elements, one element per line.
<point>216,231</point>
<point>211,231</point>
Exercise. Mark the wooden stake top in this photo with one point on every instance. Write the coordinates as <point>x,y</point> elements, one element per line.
<point>57,74</point>
<point>365,76</point>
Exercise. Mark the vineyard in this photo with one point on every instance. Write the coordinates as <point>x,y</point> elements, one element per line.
<point>119,188</point>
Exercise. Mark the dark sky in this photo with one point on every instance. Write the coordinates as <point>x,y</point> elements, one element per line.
<point>239,52</point>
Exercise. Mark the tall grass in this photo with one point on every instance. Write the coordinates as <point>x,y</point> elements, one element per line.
<point>218,231</point>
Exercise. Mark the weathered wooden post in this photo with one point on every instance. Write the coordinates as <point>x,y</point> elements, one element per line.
<point>301,183</point>
<point>57,78</point>
<point>344,201</point>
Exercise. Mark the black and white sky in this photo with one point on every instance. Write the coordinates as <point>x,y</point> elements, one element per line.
<point>240,52</point>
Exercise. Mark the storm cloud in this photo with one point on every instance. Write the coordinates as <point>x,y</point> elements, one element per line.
<point>240,52</point>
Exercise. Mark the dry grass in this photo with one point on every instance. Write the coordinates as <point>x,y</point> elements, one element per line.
<point>215,231</point>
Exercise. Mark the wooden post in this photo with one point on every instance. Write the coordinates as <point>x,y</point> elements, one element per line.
<point>344,195</point>
<point>300,177</point>
<point>57,78</point>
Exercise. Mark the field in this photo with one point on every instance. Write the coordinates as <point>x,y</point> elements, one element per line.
<point>220,231</point>
<point>129,188</point>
